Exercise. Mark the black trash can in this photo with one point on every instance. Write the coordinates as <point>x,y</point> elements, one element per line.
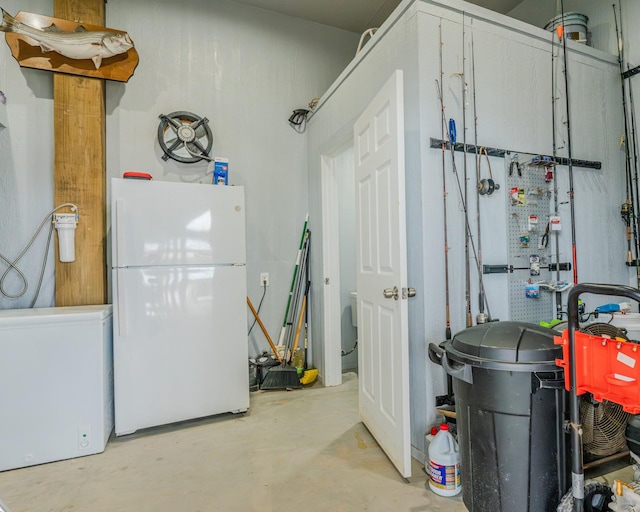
<point>510,408</point>
<point>632,435</point>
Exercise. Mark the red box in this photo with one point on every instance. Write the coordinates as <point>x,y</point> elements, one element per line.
<point>605,367</point>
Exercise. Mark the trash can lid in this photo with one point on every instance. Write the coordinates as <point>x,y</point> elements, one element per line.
<point>509,342</point>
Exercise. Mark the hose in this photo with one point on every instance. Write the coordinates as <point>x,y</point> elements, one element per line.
<point>12,264</point>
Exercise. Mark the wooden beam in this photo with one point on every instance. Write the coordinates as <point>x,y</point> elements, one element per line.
<point>80,169</point>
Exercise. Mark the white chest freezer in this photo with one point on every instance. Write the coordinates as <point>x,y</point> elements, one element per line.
<point>56,384</point>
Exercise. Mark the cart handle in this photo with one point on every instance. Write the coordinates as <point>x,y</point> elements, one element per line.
<point>597,289</point>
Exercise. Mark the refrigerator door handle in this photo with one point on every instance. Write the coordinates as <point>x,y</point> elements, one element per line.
<point>120,232</point>
<point>122,304</point>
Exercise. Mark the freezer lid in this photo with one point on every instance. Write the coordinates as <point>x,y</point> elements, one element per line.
<point>171,223</point>
<point>33,316</point>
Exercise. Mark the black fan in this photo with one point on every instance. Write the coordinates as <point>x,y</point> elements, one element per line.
<point>185,137</point>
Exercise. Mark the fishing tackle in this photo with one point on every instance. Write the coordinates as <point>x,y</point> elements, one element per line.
<point>467,269</point>
<point>481,317</point>
<point>444,208</point>
<point>486,186</point>
<point>570,157</point>
<point>558,295</point>
<point>629,208</point>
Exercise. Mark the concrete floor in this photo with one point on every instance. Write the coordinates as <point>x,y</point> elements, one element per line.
<point>301,450</point>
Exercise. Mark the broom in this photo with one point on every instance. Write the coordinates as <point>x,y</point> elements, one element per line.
<point>286,376</point>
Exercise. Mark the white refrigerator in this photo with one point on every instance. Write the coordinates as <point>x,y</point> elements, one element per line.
<point>179,302</point>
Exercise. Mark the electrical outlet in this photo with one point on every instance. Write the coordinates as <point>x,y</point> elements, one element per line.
<point>264,279</point>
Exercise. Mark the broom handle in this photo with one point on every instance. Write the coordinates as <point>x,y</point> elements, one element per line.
<point>299,328</point>
<point>296,301</point>
<point>293,280</point>
<point>264,330</point>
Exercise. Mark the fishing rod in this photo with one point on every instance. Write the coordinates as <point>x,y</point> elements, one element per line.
<point>577,472</point>
<point>448,398</point>
<point>634,142</point>
<point>634,183</point>
<point>467,269</point>
<point>444,205</point>
<point>628,210</point>
<point>572,205</point>
<point>558,295</point>
<point>451,140</point>
<point>451,134</point>
<point>482,316</point>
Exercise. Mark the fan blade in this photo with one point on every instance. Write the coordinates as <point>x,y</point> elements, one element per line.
<point>200,147</point>
<point>172,148</point>
<point>173,123</point>
<point>198,122</point>
<point>201,131</point>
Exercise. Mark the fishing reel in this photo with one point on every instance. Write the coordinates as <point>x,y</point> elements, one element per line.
<point>487,187</point>
<point>626,212</point>
<point>482,318</point>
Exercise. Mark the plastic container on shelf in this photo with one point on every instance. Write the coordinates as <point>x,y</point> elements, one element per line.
<point>444,463</point>
<point>575,26</point>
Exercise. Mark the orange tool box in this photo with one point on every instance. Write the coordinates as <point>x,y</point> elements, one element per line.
<point>607,368</point>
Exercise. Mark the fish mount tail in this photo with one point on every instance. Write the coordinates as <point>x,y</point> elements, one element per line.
<point>8,22</point>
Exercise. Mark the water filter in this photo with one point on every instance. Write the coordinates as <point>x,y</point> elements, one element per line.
<point>65,224</point>
<point>444,464</point>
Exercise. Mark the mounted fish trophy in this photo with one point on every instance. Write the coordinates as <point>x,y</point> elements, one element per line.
<point>64,46</point>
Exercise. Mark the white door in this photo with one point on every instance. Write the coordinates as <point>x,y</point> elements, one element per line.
<point>381,261</point>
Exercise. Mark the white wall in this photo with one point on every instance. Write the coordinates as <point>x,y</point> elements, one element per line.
<point>244,68</point>
<point>26,167</point>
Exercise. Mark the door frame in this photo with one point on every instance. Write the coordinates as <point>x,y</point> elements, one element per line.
<point>331,262</point>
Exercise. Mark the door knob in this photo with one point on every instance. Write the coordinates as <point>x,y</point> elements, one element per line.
<point>390,293</point>
<point>408,292</point>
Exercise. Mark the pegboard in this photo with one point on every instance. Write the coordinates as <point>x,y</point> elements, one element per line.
<point>529,193</point>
